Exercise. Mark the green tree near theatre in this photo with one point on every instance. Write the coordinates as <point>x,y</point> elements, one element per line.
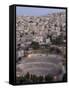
<point>58,40</point>
<point>34,78</point>
<point>27,76</point>
<point>35,45</point>
<point>40,79</point>
<point>48,78</point>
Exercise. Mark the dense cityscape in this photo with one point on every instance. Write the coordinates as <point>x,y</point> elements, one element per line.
<point>41,48</point>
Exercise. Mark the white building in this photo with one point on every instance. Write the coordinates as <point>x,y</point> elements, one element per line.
<point>20,53</point>
<point>48,41</point>
<point>38,39</point>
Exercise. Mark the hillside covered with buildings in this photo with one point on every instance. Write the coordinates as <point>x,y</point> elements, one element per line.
<point>41,39</point>
<point>50,29</point>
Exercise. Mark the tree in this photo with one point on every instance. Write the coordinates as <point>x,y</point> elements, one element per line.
<point>33,32</point>
<point>48,78</point>
<point>33,78</point>
<point>35,45</point>
<point>65,77</point>
<point>27,76</point>
<point>57,40</point>
<point>21,79</point>
<point>55,50</point>
<point>58,51</point>
<point>40,78</point>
